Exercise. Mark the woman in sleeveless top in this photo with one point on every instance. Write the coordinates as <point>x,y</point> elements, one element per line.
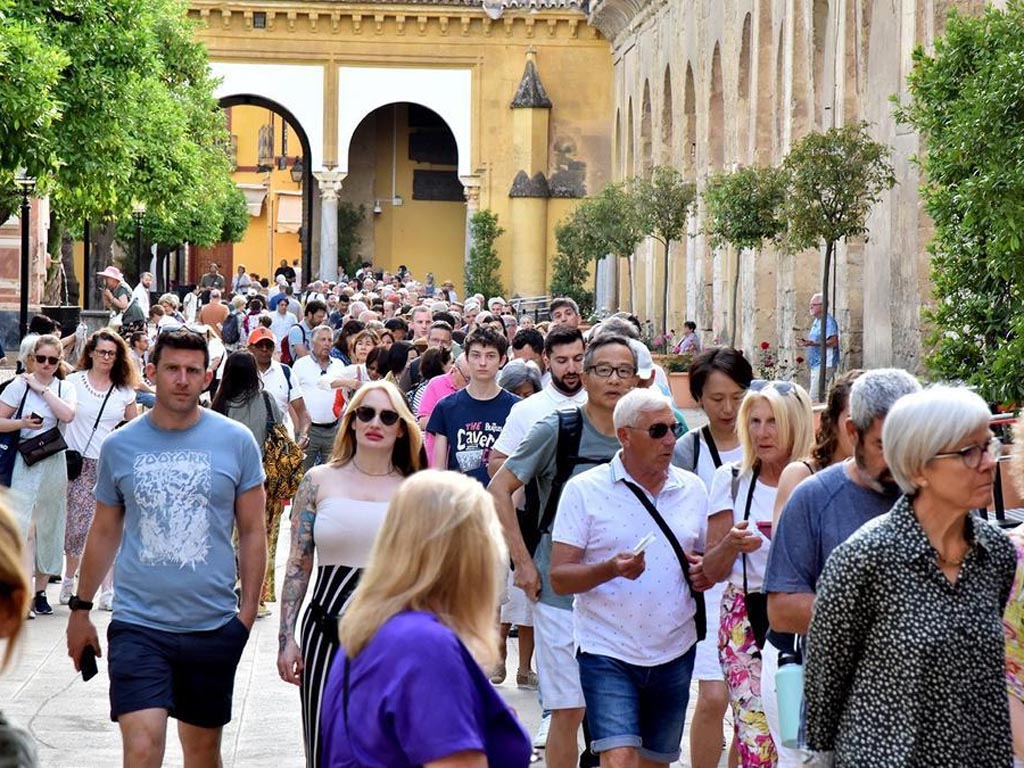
<point>337,512</point>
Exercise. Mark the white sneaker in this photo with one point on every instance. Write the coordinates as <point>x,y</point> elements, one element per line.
<point>541,739</point>
<point>105,602</point>
<point>67,589</point>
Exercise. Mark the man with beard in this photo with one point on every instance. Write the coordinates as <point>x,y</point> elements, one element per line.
<point>824,510</point>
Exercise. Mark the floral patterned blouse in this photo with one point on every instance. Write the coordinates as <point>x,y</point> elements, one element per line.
<point>1013,622</point>
<point>905,668</point>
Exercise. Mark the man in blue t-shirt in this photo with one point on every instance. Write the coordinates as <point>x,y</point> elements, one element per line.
<point>171,487</point>
<point>466,424</point>
<point>813,345</point>
<point>824,511</point>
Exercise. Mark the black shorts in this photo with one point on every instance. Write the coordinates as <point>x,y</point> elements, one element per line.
<point>190,674</point>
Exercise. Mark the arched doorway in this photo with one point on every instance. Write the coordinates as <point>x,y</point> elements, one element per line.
<point>269,157</point>
<point>403,174</point>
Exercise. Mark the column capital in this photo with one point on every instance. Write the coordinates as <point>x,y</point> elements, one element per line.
<point>471,189</point>
<point>329,182</point>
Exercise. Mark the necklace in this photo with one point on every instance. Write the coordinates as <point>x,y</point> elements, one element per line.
<point>391,469</point>
<point>954,561</point>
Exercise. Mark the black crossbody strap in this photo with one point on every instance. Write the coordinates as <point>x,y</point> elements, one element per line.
<point>700,618</point>
<point>99,415</point>
<point>746,516</point>
<point>706,431</point>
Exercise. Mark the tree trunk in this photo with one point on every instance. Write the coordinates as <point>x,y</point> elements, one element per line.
<point>733,321</point>
<point>664,298</point>
<point>629,272</point>
<point>825,306</point>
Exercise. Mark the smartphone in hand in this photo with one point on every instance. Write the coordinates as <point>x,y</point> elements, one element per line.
<point>88,663</point>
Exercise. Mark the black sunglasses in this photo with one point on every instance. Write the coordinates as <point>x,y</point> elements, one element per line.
<point>41,359</point>
<point>659,430</point>
<point>387,417</point>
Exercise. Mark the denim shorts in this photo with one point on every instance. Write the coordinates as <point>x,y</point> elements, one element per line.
<point>634,706</point>
<point>190,674</point>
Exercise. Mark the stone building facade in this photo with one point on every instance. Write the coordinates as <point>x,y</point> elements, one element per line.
<point>715,84</point>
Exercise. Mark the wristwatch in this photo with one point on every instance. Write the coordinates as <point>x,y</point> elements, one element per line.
<point>76,604</point>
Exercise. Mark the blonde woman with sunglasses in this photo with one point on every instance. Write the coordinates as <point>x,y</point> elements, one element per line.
<point>34,403</point>
<point>336,514</point>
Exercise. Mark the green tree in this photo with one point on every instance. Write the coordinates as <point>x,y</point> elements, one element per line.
<point>967,102</point>
<point>835,178</point>
<point>744,209</point>
<point>350,218</point>
<point>577,248</point>
<point>663,205</point>
<point>483,266</point>
<point>617,226</point>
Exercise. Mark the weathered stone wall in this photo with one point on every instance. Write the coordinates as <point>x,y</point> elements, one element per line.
<point>713,84</point>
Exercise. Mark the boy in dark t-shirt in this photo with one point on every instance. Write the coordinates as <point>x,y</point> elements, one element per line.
<point>467,423</point>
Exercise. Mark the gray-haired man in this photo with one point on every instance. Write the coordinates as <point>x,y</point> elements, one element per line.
<point>824,510</point>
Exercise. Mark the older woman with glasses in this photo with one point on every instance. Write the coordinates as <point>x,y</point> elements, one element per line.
<point>337,512</point>
<point>104,387</point>
<point>905,653</point>
<point>775,425</point>
<point>38,403</point>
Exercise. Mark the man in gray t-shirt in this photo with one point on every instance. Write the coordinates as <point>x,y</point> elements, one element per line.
<point>609,371</point>
<point>171,488</point>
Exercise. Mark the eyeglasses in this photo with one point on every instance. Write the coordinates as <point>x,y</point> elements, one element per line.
<point>44,359</point>
<point>659,430</point>
<point>366,414</point>
<point>106,352</point>
<point>605,371</point>
<point>782,387</point>
<point>971,455</point>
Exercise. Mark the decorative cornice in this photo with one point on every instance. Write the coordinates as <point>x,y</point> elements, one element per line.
<point>524,186</point>
<point>612,17</point>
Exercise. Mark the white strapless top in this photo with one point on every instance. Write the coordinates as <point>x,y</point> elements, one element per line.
<point>344,530</point>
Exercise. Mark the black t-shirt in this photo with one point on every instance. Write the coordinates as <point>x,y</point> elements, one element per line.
<point>288,272</point>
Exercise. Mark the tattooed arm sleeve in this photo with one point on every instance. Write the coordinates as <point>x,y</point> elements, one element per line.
<point>300,556</point>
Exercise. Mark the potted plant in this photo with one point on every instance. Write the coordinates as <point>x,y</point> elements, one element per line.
<point>678,369</point>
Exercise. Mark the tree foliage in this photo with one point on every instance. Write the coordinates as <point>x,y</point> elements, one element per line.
<point>967,102</point>
<point>578,246</point>
<point>484,265</point>
<point>835,178</point>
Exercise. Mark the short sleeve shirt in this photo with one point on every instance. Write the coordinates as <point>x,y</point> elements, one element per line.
<point>36,403</point>
<point>814,351</point>
<point>762,509</point>
<point>79,433</point>
<point>175,570</point>
<point>471,426</point>
<point>531,410</point>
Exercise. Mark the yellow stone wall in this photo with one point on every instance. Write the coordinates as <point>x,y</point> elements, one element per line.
<point>574,64</point>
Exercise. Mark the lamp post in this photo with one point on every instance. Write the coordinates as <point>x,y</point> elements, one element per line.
<point>138,211</point>
<point>297,170</point>
<point>26,184</point>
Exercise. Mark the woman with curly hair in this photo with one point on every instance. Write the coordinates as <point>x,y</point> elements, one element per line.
<point>104,385</point>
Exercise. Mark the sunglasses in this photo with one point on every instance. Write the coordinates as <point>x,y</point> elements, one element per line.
<point>43,359</point>
<point>782,387</point>
<point>659,430</point>
<point>366,414</point>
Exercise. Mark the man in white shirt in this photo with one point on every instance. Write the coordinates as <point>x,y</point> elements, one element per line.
<point>281,320</point>
<point>309,371</point>
<point>638,611</point>
<point>141,292</point>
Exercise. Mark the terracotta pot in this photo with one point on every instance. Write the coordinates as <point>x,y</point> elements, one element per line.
<point>679,383</point>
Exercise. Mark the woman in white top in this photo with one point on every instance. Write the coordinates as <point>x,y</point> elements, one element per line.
<point>355,374</point>
<point>775,425</point>
<point>719,378</point>
<point>34,403</point>
<point>104,387</point>
<point>337,512</point>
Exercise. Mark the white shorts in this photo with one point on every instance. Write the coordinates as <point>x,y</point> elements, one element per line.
<point>517,609</point>
<point>707,665</point>
<point>555,652</point>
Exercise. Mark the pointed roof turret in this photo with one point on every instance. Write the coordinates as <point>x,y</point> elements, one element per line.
<point>531,94</point>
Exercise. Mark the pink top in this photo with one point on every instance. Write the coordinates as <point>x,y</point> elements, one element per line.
<point>436,390</point>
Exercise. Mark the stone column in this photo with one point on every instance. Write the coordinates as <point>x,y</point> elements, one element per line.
<point>471,189</point>
<point>330,185</point>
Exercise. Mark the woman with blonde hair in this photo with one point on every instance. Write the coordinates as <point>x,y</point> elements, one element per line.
<point>336,514</point>
<point>16,746</point>
<point>775,425</point>
<point>422,628</point>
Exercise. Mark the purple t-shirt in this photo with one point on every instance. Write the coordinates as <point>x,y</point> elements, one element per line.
<point>416,695</point>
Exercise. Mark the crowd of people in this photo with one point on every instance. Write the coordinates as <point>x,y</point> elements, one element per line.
<point>467,475</point>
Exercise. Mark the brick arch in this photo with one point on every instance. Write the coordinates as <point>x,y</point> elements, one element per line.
<point>744,74</point>
<point>630,168</point>
<point>667,139</point>
<point>690,115</point>
<point>646,133</point>
<point>716,112</point>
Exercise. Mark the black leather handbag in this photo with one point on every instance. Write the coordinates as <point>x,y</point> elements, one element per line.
<point>35,449</point>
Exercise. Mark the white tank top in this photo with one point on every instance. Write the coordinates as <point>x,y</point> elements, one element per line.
<point>344,530</point>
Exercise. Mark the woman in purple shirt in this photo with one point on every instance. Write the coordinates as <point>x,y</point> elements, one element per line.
<point>408,687</point>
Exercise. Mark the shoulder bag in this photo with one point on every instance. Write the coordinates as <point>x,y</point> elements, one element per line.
<point>42,446</point>
<point>73,457</point>
<point>282,458</point>
<point>700,618</point>
<point>9,446</point>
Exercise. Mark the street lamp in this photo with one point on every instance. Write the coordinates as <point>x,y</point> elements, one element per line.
<point>138,211</point>
<point>26,184</point>
<point>297,170</point>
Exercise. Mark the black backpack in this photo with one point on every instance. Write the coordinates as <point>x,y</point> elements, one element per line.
<point>231,328</point>
<point>534,522</point>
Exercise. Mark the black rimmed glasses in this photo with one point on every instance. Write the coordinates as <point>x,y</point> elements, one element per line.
<point>366,414</point>
<point>659,430</point>
<point>971,455</point>
<point>106,352</point>
<point>605,371</point>
<point>782,387</point>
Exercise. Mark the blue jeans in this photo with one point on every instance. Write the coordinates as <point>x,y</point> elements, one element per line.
<point>633,706</point>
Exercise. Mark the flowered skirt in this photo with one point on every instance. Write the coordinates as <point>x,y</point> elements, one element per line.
<point>81,508</point>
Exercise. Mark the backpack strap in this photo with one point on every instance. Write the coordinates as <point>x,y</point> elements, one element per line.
<point>288,377</point>
<point>696,450</point>
<point>710,440</point>
<point>270,411</point>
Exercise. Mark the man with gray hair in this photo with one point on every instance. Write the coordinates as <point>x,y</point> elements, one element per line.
<point>623,539</point>
<point>312,374</point>
<point>824,510</point>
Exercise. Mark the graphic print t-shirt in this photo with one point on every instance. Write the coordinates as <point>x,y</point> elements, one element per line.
<point>471,427</point>
<point>176,567</point>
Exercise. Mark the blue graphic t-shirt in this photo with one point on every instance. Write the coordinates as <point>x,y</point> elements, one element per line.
<point>471,427</point>
<point>176,567</point>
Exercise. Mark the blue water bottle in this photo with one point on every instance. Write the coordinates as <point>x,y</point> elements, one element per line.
<point>789,688</point>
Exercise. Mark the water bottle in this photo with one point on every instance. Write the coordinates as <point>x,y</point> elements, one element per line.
<point>789,688</point>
